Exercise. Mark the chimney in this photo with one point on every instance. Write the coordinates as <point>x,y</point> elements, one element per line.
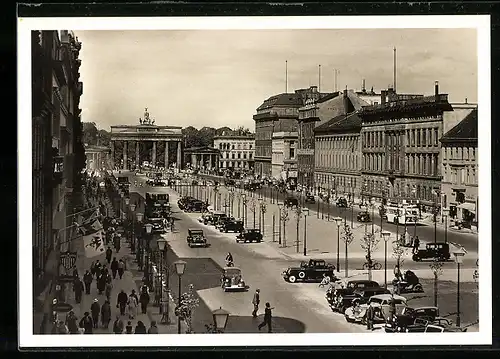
<point>364,88</point>
<point>346,102</point>
<point>436,88</point>
<point>466,100</point>
<point>383,95</point>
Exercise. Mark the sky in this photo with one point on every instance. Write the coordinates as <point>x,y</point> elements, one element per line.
<point>219,77</point>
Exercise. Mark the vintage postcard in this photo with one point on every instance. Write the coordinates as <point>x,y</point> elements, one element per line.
<point>246,181</point>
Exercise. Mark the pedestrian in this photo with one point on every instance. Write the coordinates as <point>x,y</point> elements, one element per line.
<point>75,272</point>
<point>267,318</point>
<point>416,245</point>
<point>87,280</point>
<point>256,302</point>
<point>95,308</point>
<point>106,314</point>
<point>87,323</point>
<point>92,268</point>
<point>129,328</point>
<point>140,328</point>
<point>121,268</point>
<point>132,305</point>
<point>107,291</point>
<point>71,323</point>
<point>109,253</point>
<point>118,325</point>
<point>116,242</point>
<point>114,267</point>
<point>78,289</point>
<point>144,300</point>
<point>369,317</point>
<point>101,283</point>
<point>153,329</point>
<point>98,267</point>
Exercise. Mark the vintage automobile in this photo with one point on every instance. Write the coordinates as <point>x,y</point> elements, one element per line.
<point>184,201</point>
<point>439,251</point>
<point>311,271</point>
<point>204,217</point>
<point>340,302</point>
<point>363,217</point>
<point>433,328</point>
<point>232,225</point>
<point>216,218</point>
<point>409,284</point>
<point>159,225</point>
<point>381,304</point>
<point>196,238</point>
<point>408,319</point>
<point>309,198</point>
<point>342,202</point>
<point>349,288</point>
<point>232,280</point>
<point>291,202</point>
<point>196,206</point>
<point>249,236</point>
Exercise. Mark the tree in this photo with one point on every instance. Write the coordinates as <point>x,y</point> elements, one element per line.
<point>437,269</point>
<point>185,309</point>
<point>242,131</point>
<point>207,135</point>
<point>399,252</point>
<point>347,237</point>
<point>369,243</point>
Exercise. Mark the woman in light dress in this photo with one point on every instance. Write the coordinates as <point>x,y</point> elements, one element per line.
<point>132,306</point>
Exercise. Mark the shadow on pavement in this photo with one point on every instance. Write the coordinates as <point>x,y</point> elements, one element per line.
<point>248,324</point>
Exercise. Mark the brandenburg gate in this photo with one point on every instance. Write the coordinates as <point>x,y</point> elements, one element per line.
<point>148,138</point>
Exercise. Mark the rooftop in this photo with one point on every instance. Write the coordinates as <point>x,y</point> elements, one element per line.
<point>341,123</point>
<point>408,105</point>
<point>465,130</point>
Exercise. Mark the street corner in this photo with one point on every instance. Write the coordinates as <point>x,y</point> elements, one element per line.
<point>267,250</point>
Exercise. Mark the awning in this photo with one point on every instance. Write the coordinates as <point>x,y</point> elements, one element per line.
<point>471,207</point>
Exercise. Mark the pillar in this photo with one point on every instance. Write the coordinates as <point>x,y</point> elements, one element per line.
<point>112,154</point>
<point>153,155</point>
<point>125,157</point>
<point>166,154</point>
<point>193,160</point>
<point>137,156</point>
<point>179,154</point>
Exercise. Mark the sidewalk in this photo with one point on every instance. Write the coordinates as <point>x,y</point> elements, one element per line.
<point>132,279</point>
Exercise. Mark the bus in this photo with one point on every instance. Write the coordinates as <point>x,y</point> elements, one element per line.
<point>402,214</point>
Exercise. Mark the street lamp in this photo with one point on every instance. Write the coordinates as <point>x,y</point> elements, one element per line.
<point>260,213</point>
<point>306,213</point>
<point>149,229</point>
<point>161,242</point>
<point>244,200</point>
<point>280,208</point>
<point>231,201</point>
<point>263,210</point>
<point>386,235</point>
<point>445,214</point>
<point>122,195</point>
<point>338,220</point>
<point>298,214</point>
<point>221,317</point>
<point>132,238</point>
<point>252,208</point>
<point>459,257</point>
<point>216,190</point>
<point>137,242</point>
<point>180,266</point>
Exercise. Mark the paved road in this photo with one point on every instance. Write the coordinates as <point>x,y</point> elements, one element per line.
<point>290,300</point>
<point>424,232</point>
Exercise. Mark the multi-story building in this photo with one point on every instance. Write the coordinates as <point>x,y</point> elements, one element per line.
<point>58,154</point>
<point>97,157</point>
<point>401,153</point>
<point>315,114</point>
<point>460,169</point>
<point>278,113</point>
<point>338,155</point>
<point>236,152</point>
<point>284,157</point>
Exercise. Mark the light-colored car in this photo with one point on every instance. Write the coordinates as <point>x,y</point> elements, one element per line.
<point>381,305</point>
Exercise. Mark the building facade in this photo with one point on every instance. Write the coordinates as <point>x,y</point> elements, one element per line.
<point>338,156</point>
<point>401,153</point>
<point>236,152</point>
<point>97,158</point>
<point>460,170</point>
<point>58,155</point>
<point>284,157</point>
<point>278,113</point>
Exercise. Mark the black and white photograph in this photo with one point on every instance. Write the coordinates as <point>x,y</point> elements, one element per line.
<point>254,181</point>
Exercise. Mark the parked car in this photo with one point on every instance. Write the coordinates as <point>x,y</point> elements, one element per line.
<point>311,271</point>
<point>232,225</point>
<point>439,251</point>
<point>249,236</point>
<point>408,317</point>
<point>184,201</point>
<point>381,305</point>
<point>204,217</point>
<point>309,199</point>
<point>196,206</point>
<point>349,290</point>
<point>291,202</point>
<point>342,202</point>
<point>217,218</point>
<point>363,216</point>
<point>409,284</point>
<point>159,225</point>
<point>340,302</point>
<point>196,238</point>
<point>232,280</point>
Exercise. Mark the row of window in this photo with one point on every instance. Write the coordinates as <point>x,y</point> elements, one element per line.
<point>460,175</point>
<point>332,181</point>
<point>337,142</point>
<point>420,163</point>
<point>348,160</point>
<point>459,153</point>
<point>232,146</point>
<point>238,155</point>
<point>285,155</point>
<point>409,138</point>
<point>235,164</point>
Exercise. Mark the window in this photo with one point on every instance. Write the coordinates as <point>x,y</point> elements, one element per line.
<point>418,137</point>
<point>424,137</point>
<point>232,147</point>
<point>232,156</point>
<point>239,155</point>
<point>436,137</point>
